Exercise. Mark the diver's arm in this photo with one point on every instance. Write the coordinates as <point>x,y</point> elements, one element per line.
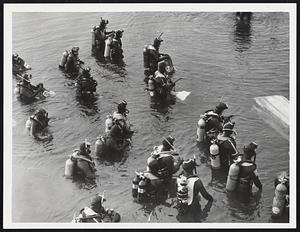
<point>200,187</point>
<point>256,180</point>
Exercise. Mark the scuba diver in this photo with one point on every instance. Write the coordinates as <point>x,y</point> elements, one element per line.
<point>248,173</point>
<point>37,123</point>
<point>81,163</point>
<point>70,61</point>
<point>121,114</point>
<point>152,57</point>
<point>211,123</point>
<point>227,147</point>
<point>162,83</point>
<point>26,91</point>
<point>189,186</point>
<point>118,134</point>
<point>116,51</point>
<point>86,83</point>
<point>162,163</point>
<point>19,65</point>
<point>97,213</point>
<point>101,35</point>
<point>158,182</point>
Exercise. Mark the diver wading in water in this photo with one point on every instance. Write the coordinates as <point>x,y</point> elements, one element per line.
<point>189,188</point>
<point>28,92</point>
<point>117,138</point>
<point>19,65</point>
<point>157,182</point>
<point>86,84</point>
<point>37,123</point>
<point>70,61</point>
<point>80,163</point>
<point>152,57</point>
<point>96,213</point>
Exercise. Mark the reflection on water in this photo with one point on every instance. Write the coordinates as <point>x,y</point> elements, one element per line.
<point>242,33</point>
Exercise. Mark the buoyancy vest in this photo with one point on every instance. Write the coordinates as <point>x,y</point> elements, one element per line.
<point>190,185</point>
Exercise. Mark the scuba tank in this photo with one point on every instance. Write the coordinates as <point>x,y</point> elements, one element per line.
<point>93,36</point>
<point>214,155</point>
<point>135,184</point>
<point>28,124</point>
<point>17,90</point>
<point>233,177</point>
<point>142,190</point>
<point>182,195</point>
<point>279,200</point>
<point>69,168</point>
<point>151,86</point>
<point>108,123</point>
<point>64,59</point>
<point>107,48</point>
<point>201,130</point>
<point>146,56</point>
<point>98,145</point>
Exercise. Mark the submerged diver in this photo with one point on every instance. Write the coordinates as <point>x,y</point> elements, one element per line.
<point>97,213</point>
<point>189,186</point>
<point>27,91</point>
<point>37,123</point>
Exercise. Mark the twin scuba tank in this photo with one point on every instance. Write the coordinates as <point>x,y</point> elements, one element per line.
<point>140,185</point>
<point>214,155</point>
<point>182,194</point>
<point>279,200</point>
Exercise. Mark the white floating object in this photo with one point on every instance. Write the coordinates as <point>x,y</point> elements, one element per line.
<point>182,95</point>
<point>276,105</point>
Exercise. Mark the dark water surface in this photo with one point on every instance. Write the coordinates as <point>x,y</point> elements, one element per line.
<point>214,54</point>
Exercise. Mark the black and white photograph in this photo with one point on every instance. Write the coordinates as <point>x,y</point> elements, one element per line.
<point>149,115</point>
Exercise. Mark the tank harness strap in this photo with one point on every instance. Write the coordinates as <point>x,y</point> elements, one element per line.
<point>236,151</point>
<point>33,117</point>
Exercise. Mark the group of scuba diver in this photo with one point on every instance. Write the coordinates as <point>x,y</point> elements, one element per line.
<point>160,180</point>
